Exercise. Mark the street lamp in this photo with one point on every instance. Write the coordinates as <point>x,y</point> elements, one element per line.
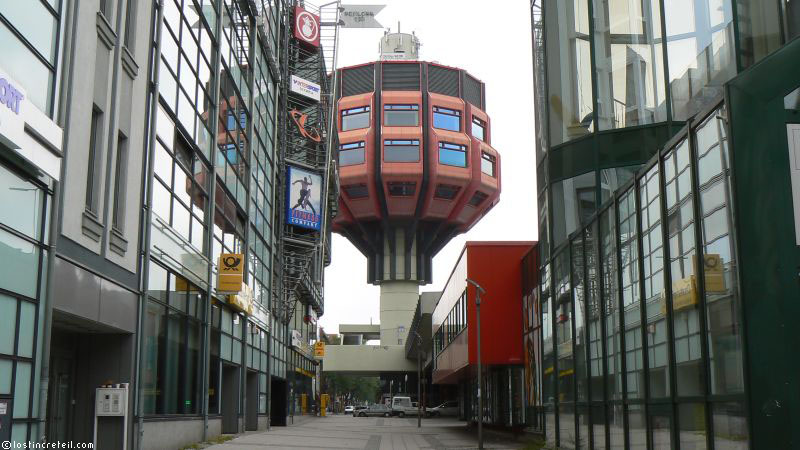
<point>478,291</point>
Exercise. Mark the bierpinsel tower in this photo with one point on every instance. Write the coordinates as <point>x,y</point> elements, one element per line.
<point>416,168</point>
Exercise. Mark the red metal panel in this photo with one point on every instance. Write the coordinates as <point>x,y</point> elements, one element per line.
<point>497,267</point>
<point>366,208</point>
<point>460,177</point>
<point>401,172</point>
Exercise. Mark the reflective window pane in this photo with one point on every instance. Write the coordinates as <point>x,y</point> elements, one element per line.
<point>700,50</point>
<point>22,204</point>
<point>579,286</point>
<point>21,265</point>
<point>573,203</point>
<point>630,64</point>
<point>692,426</point>
<point>28,70</point>
<point>653,279</point>
<point>446,119</point>
<point>759,29</point>
<point>569,73</point>
<point>723,303</point>
<point>610,292</point>
<point>682,254</point>
<point>8,308</point>
<point>355,118</point>
<point>730,426</point>
<point>401,151</point>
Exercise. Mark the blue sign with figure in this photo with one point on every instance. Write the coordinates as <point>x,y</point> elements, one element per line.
<point>303,198</point>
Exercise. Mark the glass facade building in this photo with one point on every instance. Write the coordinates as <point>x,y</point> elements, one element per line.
<point>643,222</point>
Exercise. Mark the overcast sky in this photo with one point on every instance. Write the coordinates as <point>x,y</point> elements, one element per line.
<point>492,41</point>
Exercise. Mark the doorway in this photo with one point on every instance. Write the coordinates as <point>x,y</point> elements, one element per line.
<point>230,399</point>
<point>61,405</point>
<point>251,413</point>
<point>277,402</point>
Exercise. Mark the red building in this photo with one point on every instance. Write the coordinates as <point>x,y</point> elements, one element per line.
<point>497,268</point>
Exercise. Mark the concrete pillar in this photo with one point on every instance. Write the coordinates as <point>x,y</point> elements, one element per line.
<point>398,303</point>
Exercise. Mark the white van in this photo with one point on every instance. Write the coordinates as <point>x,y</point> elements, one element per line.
<point>402,406</point>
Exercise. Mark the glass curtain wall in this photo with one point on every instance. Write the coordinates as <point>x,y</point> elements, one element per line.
<point>629,63</point>
<point>660,335</point>
<point>24,236</point>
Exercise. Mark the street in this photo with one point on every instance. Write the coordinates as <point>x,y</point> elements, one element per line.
<point>369,433</point>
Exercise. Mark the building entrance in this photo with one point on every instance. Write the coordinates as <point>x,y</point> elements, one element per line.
<point>277,402</point>
<point>251,405</point>
<point>230,399</point>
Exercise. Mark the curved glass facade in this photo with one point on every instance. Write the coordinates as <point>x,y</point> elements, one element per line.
<point>615,79</point>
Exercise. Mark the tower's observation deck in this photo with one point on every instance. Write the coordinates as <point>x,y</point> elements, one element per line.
<point>416,165</point>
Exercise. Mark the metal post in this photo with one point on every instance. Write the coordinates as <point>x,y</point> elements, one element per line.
<point>480,370</point>
<point>478,291</point>
<point>419,381</point>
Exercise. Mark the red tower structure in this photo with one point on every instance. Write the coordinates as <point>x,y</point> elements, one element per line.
<point>416,165</point>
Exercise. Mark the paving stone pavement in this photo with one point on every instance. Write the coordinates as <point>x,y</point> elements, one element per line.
<point>369,433</point>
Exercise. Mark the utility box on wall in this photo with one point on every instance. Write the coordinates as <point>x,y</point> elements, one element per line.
<point>5,419</point>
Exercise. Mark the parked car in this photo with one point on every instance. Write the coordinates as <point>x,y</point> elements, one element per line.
<point>403,406</point>
<point>445,409</point>
<point>373,410</point>
<point>349,409</point>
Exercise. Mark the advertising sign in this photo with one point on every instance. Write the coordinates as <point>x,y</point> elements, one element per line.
<point>230,274</point>
<point>306,27</point>
<point>303,198</point>
<point>304,87</point>
<point>360,16</point>
<point>28,131</point>
<point>319,350</point>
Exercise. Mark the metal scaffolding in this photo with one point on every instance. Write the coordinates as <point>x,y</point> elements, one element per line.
<point>305,142</point>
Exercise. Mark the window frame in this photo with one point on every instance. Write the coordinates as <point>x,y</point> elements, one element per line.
<point>441,110</point>
<point>452,148</point>
<point>358,110</point>
<point>350,147</point>
<point>400,107</point>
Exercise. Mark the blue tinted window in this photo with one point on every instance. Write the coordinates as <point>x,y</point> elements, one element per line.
<point>446,119</point>
<point>452,154</point>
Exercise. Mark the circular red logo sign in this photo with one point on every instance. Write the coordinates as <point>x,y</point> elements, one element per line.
<point>307,26</point>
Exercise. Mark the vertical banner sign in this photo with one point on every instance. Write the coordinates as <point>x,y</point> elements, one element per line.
<point>303,198</point>
<point>306,27</point>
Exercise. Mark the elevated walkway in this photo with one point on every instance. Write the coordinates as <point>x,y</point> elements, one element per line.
<point>367,360</point>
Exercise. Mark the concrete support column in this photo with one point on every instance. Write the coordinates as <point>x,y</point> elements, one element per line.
<point>398,303</point>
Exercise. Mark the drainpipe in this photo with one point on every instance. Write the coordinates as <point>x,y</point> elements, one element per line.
<point>146,225</point>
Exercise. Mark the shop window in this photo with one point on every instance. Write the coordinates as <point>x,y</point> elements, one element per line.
<point>173,339</point>
<point>452,154</point>
<point>402,188</point>
<point>355,118</point>
<point>446,118</point>
<point>401,150</point>
<point>356,191</point>
<point>351,154</point>
<point>478,128</point>
<point>401,115</point>
<point>446,191</point>
<point>488,164</point>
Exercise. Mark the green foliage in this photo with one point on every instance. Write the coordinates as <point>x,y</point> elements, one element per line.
<point>357,389</point>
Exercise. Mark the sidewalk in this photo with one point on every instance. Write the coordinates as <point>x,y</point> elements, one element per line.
<point>370,433</point>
